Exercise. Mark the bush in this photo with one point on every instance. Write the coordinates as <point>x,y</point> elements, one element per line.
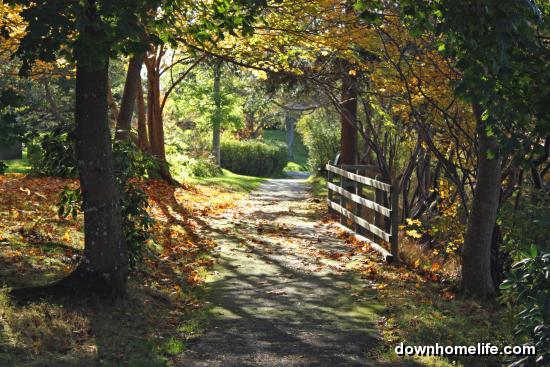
<point>321,137</point>
<point>53,154</point>
<point>253,157</point>
<point>527,289</point>
<point>3,168</point>
<point>182,164</point>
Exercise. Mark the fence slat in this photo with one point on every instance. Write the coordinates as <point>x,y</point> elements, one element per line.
<point>361,179</point>
<point>359,200</point>
<point>363,223</point>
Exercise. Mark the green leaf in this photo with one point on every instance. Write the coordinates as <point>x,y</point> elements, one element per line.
<point>534,251</point>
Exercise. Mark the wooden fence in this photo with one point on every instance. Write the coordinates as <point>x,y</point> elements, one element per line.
<point>375,218</point>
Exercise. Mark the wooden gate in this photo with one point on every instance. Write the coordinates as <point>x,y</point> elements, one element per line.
<point>361,215</point>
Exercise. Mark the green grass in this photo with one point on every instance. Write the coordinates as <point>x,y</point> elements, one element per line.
<point>299,163</point>
<point>18,165</point>
<point>318,186</point>
<point>230,180</point>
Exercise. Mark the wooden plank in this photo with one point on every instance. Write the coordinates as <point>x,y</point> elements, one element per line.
<point>363,223</point>
<point>359,200</point>
<point>367,167</point>
<point>388,257</point>
<point>354,177</point>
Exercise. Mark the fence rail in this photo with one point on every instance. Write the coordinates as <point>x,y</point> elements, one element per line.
<point>352,201</point>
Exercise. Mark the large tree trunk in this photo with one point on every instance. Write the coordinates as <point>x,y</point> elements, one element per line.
<point>104,267</point>
<point>105,253</point>
<point>124,118</point>
<point>476,254</point>
<point>216,120</point>
<point>348,113</point>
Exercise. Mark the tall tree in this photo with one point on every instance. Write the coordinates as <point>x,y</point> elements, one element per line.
<point>217,115</point>
<point>81,29</point>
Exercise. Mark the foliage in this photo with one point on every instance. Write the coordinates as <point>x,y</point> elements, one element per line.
<point>527,288</point>
<point>320,137</point>
<point>11,127</point>
<point>70,203</point>
<point>131,163</point>
<point>525,224</point>
<point>52,153</point>
<point>299,160</point>
<point>3,168</point>
<point>183,164</point>
<point>253,157</point>
<point>194,100</point>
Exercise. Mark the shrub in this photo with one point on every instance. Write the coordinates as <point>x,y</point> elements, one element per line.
<point>321,137</point>
<point>253,157</point>
<point>52,153</point>
<point>3,168</point>
<point>527,289</point>
<point>182,164</point>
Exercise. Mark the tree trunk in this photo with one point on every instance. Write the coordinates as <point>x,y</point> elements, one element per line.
<point>216,120</point>
<point>105,253</point>
<point>348,113</point>
<point>104,267</point>
<point>476,254</point>
<point>154,118</point>
<point>143,140</point>
<point>124,118</point>
<point>289,124</point>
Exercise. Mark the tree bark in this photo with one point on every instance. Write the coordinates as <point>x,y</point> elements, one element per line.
<point>348,118</point>
<point>476,254</point>
<point>124,118</point>
<point>154,116</point>
<point>289,124</point>
<point>216,120</point>
<point>105,253</point>
<point>143,140</point>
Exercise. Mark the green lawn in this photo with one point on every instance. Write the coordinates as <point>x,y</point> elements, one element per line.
<point>230,180</point>
<point>18,165</point>
<point>300,152</point>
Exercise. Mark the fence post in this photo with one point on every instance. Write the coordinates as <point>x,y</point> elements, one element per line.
<point>343,221</point>
<point>394,219</point>
<point>330,194</point>
<point>359,211</point>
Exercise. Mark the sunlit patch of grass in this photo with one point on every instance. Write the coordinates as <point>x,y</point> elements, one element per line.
<point>318,186</point>
<point>231,181</point>
<point>19,165</point>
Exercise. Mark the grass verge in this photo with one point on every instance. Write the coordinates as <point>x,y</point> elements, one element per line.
<point>421,307</point>
<point>231,181</point>
<point>318,186</point>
